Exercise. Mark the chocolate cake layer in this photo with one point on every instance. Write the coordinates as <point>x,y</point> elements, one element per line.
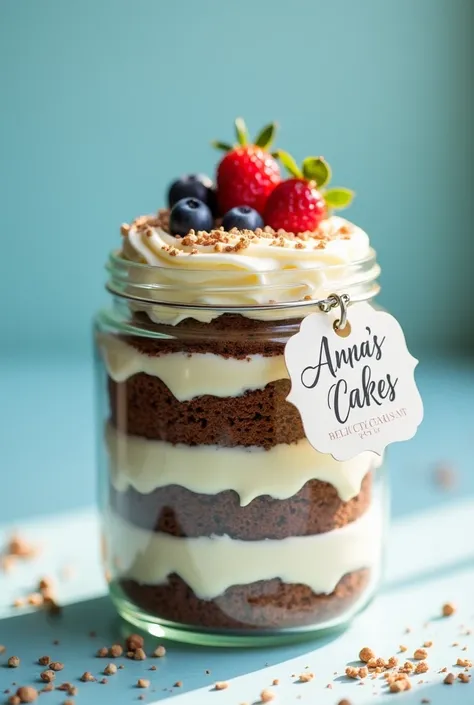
<point>144,406</point>
<point>266,604</point>
<point>229,335</point>
<point>315,509</point>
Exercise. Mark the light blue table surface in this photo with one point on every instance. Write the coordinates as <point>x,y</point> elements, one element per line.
<point>47,491</point>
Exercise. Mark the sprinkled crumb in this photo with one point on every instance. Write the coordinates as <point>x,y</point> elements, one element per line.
<point>160,651</point>
<point>444,476</point>
<point>464,662</point>
<point>115,651</point>
<point>421,667</point>
<point>450,678</point>
<point>87,677</point>
<point>110,669</point>
<point>305,677</point>
<point>428,644</point>
<point>27,694</point>
<point>35,599</point>
<point>400,685</point>
<point>143,683</point>
<point>352,672</point>
<point>221,685</point>
<point>275,681</point>
<point>178,684</point>
<point>267,696</point>
<point>20,547</point>
<point>464,677</point>
<point>420,654</point>
<point>365,654</point>
<point>448,609</point>
<point>48,676</point>
<point>402,648</point>
<point>13,662</point>
<point>69,687</point>
<point>134,642</point>
<point>103,652</point>
<point>139,655</point>
<point>56,665</point>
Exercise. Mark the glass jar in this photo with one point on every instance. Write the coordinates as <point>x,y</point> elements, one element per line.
<point>221,523</point>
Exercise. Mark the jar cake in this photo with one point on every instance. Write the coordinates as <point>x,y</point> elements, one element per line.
<point>222,523</point>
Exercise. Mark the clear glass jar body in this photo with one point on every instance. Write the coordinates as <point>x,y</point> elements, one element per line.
<point>221,524</point>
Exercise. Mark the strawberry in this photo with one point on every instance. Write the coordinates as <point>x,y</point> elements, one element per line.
<point>248,173</point>
<point>299,204</point>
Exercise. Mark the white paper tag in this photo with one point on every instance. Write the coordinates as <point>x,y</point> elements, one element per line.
<point>354,393</point>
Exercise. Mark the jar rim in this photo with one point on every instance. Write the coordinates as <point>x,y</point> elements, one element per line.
<point>201,289</point>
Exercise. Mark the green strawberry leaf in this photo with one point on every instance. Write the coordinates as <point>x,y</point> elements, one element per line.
<point>241,131</point>
<point>266,136</point>
<point>338,197</point>
<point>317,169</point>
<point>223,146</point>
<point>289,163</point>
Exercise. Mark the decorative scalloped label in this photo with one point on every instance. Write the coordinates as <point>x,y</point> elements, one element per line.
<point>354,388</point>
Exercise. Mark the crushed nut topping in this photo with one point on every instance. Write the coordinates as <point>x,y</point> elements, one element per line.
<point>219,240</point>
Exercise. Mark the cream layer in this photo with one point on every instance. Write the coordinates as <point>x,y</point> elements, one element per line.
<point>267,270</point>
<point>211,564</point>
<point>279,472</point>
<point>188,376</point>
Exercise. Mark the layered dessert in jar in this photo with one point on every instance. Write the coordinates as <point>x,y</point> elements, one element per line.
<point>218,515</point>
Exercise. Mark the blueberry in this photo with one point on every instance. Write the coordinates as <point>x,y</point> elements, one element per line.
<point>190,214</point>
<point>243,218</point>
<point>191,186</point>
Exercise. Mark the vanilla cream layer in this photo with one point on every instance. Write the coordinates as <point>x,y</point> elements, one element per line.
<point>268,270</point>
<point>210,565</point>
<point>188,376</point>
<point>251,472</point>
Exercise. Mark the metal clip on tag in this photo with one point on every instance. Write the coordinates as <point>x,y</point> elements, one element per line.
<point>341,325</point>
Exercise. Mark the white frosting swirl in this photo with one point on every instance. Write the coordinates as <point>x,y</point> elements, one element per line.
<point>265,270</point>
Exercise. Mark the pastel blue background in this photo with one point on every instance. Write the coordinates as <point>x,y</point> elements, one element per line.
<point>104,101</point>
